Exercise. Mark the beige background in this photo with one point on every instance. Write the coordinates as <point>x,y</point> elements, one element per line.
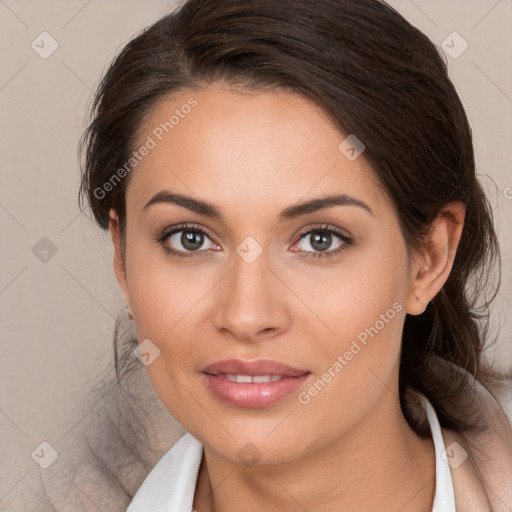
<point>57,316</point>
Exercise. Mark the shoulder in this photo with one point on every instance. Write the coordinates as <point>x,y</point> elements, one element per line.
<point>482,474</point>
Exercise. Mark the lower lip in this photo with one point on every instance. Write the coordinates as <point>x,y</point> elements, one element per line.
<point>252,394</point>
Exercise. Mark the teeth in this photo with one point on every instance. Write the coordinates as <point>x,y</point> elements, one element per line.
<point>263,378</point>
<point>258,379</point>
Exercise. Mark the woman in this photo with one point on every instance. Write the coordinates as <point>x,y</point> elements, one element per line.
<point>302,244</point>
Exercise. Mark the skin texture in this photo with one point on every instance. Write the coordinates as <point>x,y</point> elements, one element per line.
<point>253,154</point>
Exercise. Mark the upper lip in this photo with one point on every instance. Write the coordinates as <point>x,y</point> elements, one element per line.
<point>258,367</point>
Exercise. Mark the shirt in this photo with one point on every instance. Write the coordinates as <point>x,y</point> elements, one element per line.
<point>170,485</point>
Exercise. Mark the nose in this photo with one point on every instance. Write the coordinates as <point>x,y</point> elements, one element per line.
<point>252,303</point>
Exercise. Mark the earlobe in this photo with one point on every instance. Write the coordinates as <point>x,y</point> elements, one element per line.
<point>433,264</point>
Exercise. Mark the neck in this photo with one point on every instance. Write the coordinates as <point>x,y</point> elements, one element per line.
<point>380,464</point>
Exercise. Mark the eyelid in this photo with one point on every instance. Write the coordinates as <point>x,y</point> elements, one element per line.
<point>342,233</point>
<point>187,226</point>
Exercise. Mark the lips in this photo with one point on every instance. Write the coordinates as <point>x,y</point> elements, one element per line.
<point>253,368</point>
<point>252,384</point>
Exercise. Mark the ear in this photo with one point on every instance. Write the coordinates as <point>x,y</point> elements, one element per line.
<point>431,267</point>
<point>119,265</point>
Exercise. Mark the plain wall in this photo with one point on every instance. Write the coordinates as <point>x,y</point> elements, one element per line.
<point>57,316</point>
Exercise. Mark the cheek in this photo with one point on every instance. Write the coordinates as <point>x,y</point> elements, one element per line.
<point>365,302</point>
<point>362,302</point>
<point>365,292</point>
<point>164,299</point>
<point>162,290</point>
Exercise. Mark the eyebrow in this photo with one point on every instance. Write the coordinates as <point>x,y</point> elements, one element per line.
<point>292,212</point>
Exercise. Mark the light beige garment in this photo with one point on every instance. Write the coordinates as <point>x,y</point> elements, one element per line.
<point>483,482</point>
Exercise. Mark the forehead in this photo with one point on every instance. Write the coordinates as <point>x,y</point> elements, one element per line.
<point>245,149</point>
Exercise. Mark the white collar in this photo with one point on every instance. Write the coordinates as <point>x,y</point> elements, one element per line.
<point>170,486</point>
<point>444,498</point>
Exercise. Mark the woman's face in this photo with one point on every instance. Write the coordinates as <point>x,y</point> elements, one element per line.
<point>268,280</point>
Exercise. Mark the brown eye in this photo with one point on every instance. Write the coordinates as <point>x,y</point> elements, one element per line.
<point>191,240</point>
<point>186,240</point>
<point>322,242</point>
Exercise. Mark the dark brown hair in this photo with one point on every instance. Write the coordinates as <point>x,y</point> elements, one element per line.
<point>374,75</point>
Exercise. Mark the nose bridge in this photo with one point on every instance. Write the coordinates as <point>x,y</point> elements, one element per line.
<point>250,273</point>
<point>252,302</point>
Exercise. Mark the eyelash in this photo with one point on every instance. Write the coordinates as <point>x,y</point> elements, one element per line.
<point>166,233</point>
